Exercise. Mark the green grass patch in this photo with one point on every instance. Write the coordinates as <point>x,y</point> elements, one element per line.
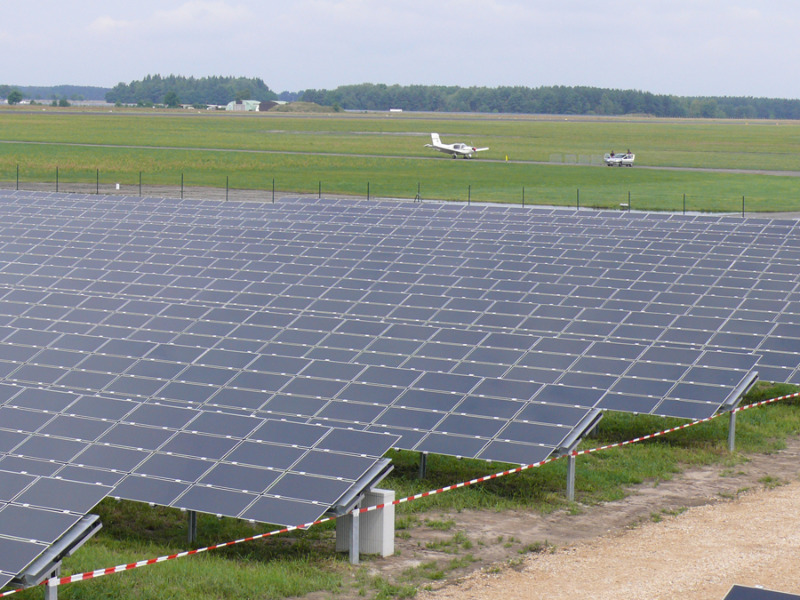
<point>357,154</point>
<point>733,144</point>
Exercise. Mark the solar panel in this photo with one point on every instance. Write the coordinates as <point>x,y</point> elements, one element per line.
<point>739,592</point>
<point>149,345</point>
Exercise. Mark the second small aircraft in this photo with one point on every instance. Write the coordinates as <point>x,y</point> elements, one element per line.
<point>455,150</point>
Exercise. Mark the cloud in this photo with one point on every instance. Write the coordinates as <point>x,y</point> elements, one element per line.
<point>199,16</point>
<point>107,25</point>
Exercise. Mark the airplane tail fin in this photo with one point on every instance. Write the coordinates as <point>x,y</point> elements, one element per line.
<point>435,139</point>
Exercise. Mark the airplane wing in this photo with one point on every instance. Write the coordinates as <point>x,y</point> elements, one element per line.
<point>479,149</point>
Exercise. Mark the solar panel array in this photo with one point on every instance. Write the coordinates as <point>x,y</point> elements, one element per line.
<point>155,349</point>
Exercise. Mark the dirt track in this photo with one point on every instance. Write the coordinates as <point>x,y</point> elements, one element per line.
<point>741,528</point>
<point>752,541</point>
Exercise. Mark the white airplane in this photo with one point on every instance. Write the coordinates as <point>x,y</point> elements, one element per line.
<point>455,150</point>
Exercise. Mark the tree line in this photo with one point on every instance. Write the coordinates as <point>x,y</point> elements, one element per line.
<point>55,92</point>
<point>560,100</point>
<point>174,89</point>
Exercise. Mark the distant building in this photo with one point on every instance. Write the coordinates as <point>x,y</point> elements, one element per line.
<point>243,105</point>
<point>253,105</point>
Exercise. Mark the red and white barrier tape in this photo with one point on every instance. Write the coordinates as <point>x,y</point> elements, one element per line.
<point>56,581</point>
<point>686,425</point>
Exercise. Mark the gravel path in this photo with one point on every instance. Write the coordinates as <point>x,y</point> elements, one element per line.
<point>700,554</point>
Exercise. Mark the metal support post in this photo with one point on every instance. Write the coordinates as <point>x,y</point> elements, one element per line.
<point>51,591</point>
<point>97,188</point>
<point>730,404</point>
<point>140,184</point>
<point>423,465</point>
<point>571,477</point>
<point>570,446</point>
<point>192,521</point>
<point>354,535</point>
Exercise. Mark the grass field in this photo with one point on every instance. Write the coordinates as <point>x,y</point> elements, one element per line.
<point>384,154</point>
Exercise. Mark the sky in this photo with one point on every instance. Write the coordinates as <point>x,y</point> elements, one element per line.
<point>680,47</point>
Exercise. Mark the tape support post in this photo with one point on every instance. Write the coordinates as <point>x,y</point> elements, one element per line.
<point>57,581</point>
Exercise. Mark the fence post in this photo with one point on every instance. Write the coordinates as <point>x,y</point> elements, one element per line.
<point>97,188</point>
<point>368,191</point>
<point>56,179</point>
<point>523,195</point>
<point>319,191</point>
<point>226,188</point>
<point>140,184</point>
<point>181,186</point>
<point>17,177</point>
<point>742,206</point>
<point>469,194</point>
<point>273,190</point>
<point>578,205</point>
<point>684,204</point>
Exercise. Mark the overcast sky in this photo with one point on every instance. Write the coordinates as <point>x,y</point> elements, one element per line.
<point>682,47</point>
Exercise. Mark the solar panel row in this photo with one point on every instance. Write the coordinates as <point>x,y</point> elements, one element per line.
<point>63,452</point>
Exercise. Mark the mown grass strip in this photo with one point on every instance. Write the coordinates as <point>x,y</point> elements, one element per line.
<point>457,180</point>
<point>658,142</point>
